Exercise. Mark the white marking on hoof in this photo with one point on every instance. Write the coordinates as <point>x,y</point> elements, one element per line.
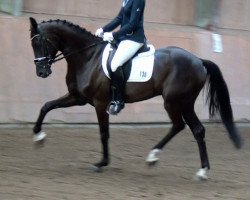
<point>152,156</point>
<point>39,137</point>
<point>201,175</point>
<point>96,169</point>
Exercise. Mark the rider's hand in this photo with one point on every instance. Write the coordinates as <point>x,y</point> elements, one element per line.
<point>108,36</point>
<point>99,32</point>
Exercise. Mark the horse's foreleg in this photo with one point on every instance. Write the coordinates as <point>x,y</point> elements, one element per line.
<point>66,101</point>
<point>103,120</point>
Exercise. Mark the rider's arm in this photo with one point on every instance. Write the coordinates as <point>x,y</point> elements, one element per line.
<point>114,23</point>
<point>136,13</point>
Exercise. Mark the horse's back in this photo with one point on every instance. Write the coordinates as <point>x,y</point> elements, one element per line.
<point>180,72</point>
<point>177,73</point>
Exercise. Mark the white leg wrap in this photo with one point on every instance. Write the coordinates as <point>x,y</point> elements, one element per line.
<point>152,156</point>
<point>39,137</point>
<point>201,175</point>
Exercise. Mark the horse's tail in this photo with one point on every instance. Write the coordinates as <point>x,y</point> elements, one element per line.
<point>219,100</point>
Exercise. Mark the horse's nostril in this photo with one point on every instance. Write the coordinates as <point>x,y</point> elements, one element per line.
<point>40,74</point>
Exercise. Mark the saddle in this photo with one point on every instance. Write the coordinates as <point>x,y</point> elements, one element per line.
<point>126,68</point>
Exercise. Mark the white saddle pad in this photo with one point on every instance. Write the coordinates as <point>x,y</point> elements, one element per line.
<point>142,64</point>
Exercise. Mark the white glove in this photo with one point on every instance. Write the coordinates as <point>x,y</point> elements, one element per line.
<point>99,32</point>
<point>108,36</point>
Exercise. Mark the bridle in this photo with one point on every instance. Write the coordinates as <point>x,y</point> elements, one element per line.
<point>50,59</point>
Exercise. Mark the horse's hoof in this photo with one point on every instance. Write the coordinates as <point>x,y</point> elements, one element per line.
<point>152,164</point>
<point>152,158</point>
<point>97,169</point>
<point>201,175</point>
<point>39,139</point>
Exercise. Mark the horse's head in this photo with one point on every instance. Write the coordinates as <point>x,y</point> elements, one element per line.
<point>43,48</point>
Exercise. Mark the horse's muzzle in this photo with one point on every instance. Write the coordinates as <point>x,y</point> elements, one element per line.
<point>43,72</point>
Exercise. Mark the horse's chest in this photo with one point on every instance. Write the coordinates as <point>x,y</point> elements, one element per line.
<point>84,86</point>
<point>76,85</point>
<point>84,83</point>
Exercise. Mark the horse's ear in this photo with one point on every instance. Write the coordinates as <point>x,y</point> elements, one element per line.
<point>33,25</point>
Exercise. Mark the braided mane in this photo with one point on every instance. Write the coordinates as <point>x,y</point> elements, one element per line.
<point>70,25</point>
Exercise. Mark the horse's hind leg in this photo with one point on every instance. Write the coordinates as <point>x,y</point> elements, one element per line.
<point>66,101</point>
<point>174,112</point>
<point>198,131</point>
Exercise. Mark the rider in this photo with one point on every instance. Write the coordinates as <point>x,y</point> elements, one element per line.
<point>131,38</point>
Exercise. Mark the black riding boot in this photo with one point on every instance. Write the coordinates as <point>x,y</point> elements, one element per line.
<point>117,87</point>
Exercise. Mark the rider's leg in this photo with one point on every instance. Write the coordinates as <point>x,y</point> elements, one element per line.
<point>126,50</point>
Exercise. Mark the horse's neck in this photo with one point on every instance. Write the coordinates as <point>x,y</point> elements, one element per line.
<point>82,70</point>
<point>76,43</point>
<point>72,44</point>
<point>86,54</point>
<point>68,40</point>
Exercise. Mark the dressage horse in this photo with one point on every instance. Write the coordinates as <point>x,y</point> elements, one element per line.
<point>178,77</point>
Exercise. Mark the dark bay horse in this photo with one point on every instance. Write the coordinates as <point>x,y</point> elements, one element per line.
<point>178,77</point>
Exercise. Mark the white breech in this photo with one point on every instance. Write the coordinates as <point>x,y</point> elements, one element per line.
<point>126,50</point>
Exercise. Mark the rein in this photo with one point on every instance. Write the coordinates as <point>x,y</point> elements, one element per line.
<point>57,57</point>
<point>60,56</point>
